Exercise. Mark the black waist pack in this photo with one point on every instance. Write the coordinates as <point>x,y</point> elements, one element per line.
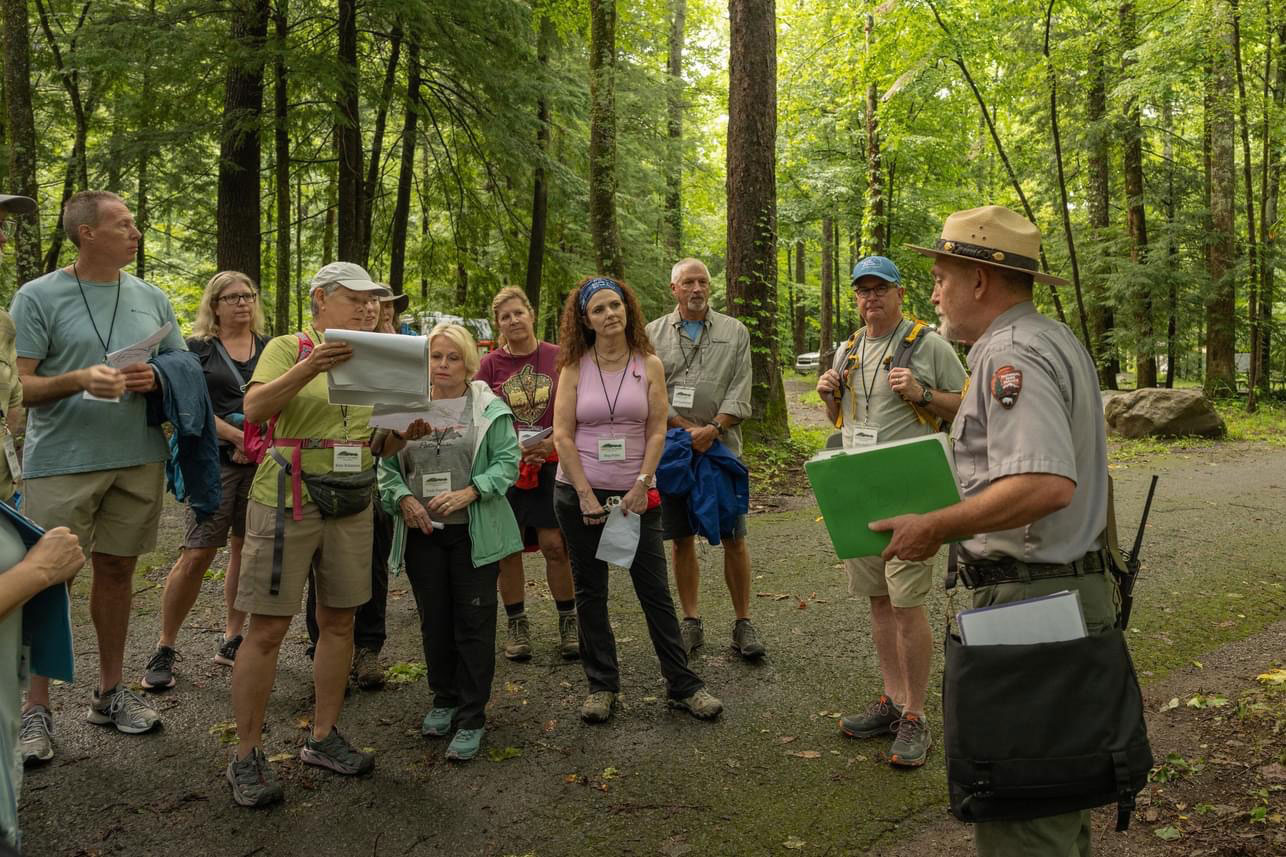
<point>339,495</point>
<point>1043,729</point>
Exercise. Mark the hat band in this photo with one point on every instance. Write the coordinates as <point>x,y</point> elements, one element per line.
<point>987,254</point>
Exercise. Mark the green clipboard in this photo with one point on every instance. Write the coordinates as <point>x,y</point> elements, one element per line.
<point>857,486</point>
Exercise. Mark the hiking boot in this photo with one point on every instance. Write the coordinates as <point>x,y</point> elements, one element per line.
<point>568,637</point>
<point>598,706</point>
<point>335,754</point>
<point>36,740</point>
<point>702,705</point>
<point>745,639</point>
<point>437,723</point>
<point>518,640</point>
<point>879,719</point>
<point>227,652</point>
<point>465,744</point>
<point>160,669</point>
<point>367,671</point>
<point>691,635</point>
<point>252,780</point>
<point>911,747</point>
<point>124,709</point>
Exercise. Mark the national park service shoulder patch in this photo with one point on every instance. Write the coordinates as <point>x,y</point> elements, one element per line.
<point>1006,384</point>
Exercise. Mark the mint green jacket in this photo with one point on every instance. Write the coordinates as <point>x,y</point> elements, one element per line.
<point>493,530</point>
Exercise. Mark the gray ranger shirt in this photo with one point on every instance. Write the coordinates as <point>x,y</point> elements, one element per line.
<point>1033,406</point>
<point>716,365</point>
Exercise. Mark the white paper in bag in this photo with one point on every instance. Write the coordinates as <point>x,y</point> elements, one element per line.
<point>620,539</point>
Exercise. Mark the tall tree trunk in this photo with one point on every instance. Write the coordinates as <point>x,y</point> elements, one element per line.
<point>603,227</point>
<point>540,190</point>
<point>1171,246</point>
<point>281,143</point>
<point>1136,216</point>
<point>21,127</point>
<point>838,280</point>
<point>237,212</point>
<point>299,253</point>
<point>1102,317</point>
<point>752,204</point>
<point>142,216</point>
<point>873,220</point>
<point>332,201</point>
<point>826,293</point>
<point>348,136</point>
<point>1268,210</point>
<point>1221,305</point>
<point>406,171</point>
<point>1252,250</point>
<point>371,187</point>
<point>674,129</point>
<point>797,330</point>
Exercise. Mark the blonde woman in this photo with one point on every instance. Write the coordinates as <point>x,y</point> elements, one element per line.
<point>228,338</point>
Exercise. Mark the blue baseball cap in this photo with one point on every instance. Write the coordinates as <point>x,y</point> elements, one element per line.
<point>877,266</point>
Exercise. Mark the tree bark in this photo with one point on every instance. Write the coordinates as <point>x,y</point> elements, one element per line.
<point>674,130</point>
<point>873,220</point>
<point>539,190</point>
<point>142,215</point>
<point>1221,304</point>
<point>372,185</point>
<point>332,201</point>
<point>281,142</point>
<point>21,127</point>
<point>1268,210</point>
<point>237,210</point>
<point>826,310</point>
<point>1102,317</point>
<point>406,172</point>
<point>1136,215</point>
<point>752,204</point>
<point>1171,246</point>
<point>797,315</point>
<point>1252,252</point>
<point>348,137</point>
<point>603,227</point>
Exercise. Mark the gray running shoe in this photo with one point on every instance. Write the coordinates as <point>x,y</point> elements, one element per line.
<point>911,747</point>
<point>335,753</point>
<point>252,780</point>
<point>879,719</point>
<point>598,706</point>
<point>367,671</point>
<point>36,740</point>
<point>159,674</point>
<point>227,653</point>
<point>518,640</point>
<point>691,635</point>
<point>124,709</point>
<point>745,639</point>
<point>568,637</point>
<point>702,705</point>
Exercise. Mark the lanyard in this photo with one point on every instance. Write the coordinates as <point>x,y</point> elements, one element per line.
<point>868,392</point>
<point>611,403</point>
<point>90,312</point>
<point>690,355</point>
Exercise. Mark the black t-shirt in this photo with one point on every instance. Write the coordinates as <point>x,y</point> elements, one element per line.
<point>224,386</point>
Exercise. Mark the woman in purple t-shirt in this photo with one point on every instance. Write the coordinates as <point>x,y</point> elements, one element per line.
<point>609,429</point>
<point>523,372</point>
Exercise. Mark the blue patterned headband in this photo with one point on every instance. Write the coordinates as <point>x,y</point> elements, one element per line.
<point>595,286</point>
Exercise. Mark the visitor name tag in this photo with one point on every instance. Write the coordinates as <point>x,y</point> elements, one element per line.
<point>865,435</point>
<point>11,456</point>
<point>611,449</point>
<point>433,484</point>
<point>683,396</point>
<point>347,459</point>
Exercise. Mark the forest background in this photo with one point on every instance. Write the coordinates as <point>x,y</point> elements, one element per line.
<point>456,146</point>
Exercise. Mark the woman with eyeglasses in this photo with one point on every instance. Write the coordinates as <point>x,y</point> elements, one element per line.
<point>228,338</point>
<point>609,429</point>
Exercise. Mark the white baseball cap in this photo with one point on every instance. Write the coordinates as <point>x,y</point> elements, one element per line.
<point>350,276</point>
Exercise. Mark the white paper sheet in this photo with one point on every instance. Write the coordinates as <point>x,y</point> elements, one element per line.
<point>620,540</point>
<point>398,417</point>
<point>139,352</point>
<point>385,369</point>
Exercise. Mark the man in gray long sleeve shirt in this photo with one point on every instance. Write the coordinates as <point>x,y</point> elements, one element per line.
<point>707,379</point>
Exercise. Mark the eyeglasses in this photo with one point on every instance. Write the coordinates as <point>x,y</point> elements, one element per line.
<point>873,292</point>
<point>243,298</point>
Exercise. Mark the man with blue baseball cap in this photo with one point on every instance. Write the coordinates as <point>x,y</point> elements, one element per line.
<point>894,379</point>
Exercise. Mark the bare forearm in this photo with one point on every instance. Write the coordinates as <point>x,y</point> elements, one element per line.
<point>18,585</point>
<point>264,401</point>
<point>569,459</point>
<point>832,408</point>
<point>227,431</point>
<point>944,405</point>
<point>41,390</point>
<point>1014,501</point>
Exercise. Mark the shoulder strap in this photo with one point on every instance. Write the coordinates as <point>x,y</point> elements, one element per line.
<point>232,366</point>
<point>902,357</point>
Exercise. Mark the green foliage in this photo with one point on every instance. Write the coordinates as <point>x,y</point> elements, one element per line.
<point>406,672</point>
<point>1175,767</point>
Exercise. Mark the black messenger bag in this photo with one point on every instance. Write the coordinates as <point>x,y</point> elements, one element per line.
<point>1043,729</point>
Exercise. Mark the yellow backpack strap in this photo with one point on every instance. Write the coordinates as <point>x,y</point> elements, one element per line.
<point>850,356</point>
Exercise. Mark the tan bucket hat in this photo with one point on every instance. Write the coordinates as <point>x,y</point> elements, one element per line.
<point>995,236</point>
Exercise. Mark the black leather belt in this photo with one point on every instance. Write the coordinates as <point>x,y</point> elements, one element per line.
<point>1006,570</point>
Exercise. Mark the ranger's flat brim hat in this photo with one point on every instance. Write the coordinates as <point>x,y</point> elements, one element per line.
<point>17,204</point>
<point>992,235</point>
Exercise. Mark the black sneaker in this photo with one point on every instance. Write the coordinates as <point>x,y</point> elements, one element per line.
<point>227,652</point>
<point>252,780</point>
<point>880,718</point>
<point>691,635</point>
<point>160,669</point>
<point>745,639</point>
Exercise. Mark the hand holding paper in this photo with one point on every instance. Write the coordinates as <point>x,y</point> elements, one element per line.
<point>384,370</point>
<point>126,370</point>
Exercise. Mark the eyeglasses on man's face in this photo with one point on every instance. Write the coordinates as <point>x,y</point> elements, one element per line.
<point>243,298</point>
<point>864,293</point>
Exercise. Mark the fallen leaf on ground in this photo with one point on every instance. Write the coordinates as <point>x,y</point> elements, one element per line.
<point>1169,834</point>
<point>610,773</point>
<point>1275,771</point>
<point>500,754</point>
<point>281,757</point>
<point>785,739</point>
<point>1171,705</point>
<point>806,754</point>
<point>551,725</point>
<point>1277,676</point>
<point>794,844</point>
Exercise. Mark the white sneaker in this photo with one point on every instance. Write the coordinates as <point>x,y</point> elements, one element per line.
<point>36,740</point>
<point>124,709</point>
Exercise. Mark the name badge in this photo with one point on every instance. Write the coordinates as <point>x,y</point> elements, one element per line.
<point>611,449</point>
<point>865,435</point>
<point>11,456</point>
<point>346,459</point>
<point>683,396</point>
<point>433,484</point>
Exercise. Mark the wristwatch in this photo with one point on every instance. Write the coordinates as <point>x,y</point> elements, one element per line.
<point>717,426</point>
<point>926,397</point>
<point>646,479</point>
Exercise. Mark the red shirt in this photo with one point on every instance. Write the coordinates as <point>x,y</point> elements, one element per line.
<point>528,383</point>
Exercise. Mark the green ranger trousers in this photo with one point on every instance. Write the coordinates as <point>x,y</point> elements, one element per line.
<point>1068,834</point>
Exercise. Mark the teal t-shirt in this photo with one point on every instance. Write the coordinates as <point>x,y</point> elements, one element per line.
<point>13,681</point>
<point>75,434</point>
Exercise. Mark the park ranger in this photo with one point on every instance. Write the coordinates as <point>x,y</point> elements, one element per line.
<point>1030,455</point>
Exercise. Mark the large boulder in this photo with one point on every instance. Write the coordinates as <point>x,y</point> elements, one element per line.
<point>1157,412</point>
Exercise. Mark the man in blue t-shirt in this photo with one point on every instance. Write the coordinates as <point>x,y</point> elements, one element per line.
<point>92,463</point>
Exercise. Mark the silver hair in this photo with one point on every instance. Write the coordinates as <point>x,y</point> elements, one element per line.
<point>327,290</point>
<point>683,263</point>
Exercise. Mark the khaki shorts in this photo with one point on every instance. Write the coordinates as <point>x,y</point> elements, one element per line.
<point>231,514</point>
<point>906,584</point>
<point>338,549</point>
<point>113,512</point>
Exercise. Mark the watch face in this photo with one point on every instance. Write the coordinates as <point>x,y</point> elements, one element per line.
<point>928,396</point>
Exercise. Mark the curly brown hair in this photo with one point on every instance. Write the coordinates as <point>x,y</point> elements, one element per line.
<point>575,336</point>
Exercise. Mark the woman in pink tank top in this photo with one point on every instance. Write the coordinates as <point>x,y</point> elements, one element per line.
<point>609,430</point>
